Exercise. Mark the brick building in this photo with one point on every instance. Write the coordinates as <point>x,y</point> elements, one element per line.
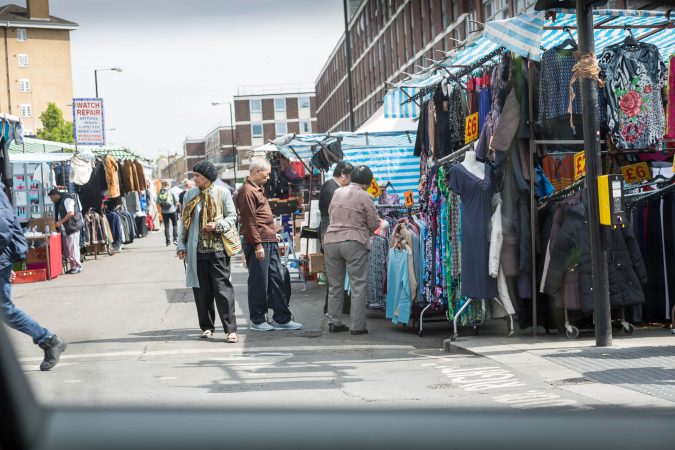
<point>36,63</point>
<point>264,112</point>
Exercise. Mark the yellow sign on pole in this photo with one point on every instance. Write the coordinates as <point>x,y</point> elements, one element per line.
<point>579,165</point>
<point>374,189</point>
<point>471,128</point>
<point>635,173</point>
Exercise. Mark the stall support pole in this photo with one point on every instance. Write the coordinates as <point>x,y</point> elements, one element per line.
<point>533,207</point>
<point>589,101</point>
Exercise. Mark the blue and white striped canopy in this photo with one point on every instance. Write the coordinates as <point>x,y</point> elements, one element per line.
<point>388,154</point>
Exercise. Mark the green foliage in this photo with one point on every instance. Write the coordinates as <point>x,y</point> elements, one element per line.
<point>55,128</point>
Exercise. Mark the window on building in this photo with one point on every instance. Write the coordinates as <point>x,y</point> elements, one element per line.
<point>495,9</point>
<point>281,128</point>
<point>256,130</point>
<point>303,102</point>
<point>521,6</point>
<point>255,105</point>
<point>23,60</point>
<point>21,34</point>
<point>305,126</point>
<point>26,110</point>
<point>280,104</point>
<point>24,85</point>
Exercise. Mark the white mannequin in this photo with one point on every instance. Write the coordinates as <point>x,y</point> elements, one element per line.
<point>472,165</point>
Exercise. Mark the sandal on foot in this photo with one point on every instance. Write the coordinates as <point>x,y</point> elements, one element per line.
<point>206,334</point>
<point>232,338</point>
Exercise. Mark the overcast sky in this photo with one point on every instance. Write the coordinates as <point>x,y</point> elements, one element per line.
<point>180,55</point>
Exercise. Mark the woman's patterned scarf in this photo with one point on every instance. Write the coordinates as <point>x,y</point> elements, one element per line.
<point>209,212</point>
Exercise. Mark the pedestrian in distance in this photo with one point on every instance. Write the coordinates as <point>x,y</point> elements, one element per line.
<point>353,219</point>
<point>69,218</point>
<point>168,203</point>
<point>261,250</point>
<point>13,247</point>
<point>208,213</point>
<point>187,185</point>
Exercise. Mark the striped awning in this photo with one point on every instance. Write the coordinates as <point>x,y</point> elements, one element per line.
<point>528,33</point>
<point>388,154</point>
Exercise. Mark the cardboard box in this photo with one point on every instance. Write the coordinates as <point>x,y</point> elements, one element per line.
<point>316,263</point>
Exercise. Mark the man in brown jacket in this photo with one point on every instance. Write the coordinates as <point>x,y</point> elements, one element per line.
<point>261,250</point>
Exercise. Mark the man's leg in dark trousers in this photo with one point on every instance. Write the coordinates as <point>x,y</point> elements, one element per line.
<point>223,293</point>
<point>204,296</point>
<point>174,222</point>
<point>275,287</point>
<point>257,284</point>
<point>169,218</point>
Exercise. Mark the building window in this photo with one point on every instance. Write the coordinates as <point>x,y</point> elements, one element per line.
<point>255,105</point>
<point>256,130</point>
<point>281,128</point>
<point>303,102</point>
<point>495,9</point>
<point>24,85</point>
<point>280,104</point>
<point>23,60</point>
<point>26,110</point>
<point>305,126</point>
<point>21,34</point>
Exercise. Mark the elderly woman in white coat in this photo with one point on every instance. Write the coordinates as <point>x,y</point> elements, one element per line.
<point>208,212</point>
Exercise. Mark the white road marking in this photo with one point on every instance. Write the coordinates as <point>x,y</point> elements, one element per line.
<point>168,378</point>
<point>71,381</point>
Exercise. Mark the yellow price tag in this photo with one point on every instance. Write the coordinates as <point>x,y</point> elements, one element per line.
<point>635,173</point>
<point>579,165</point>
<point>409,198</point>
<point>471,128</point>
<point>374,189</point>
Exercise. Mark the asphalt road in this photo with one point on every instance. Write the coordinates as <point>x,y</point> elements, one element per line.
<point>133,340</point>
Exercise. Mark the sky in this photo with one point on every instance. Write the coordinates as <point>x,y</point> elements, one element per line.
<point>178,56</point>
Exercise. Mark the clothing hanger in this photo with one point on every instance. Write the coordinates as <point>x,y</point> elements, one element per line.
<point>630,40</point>
<point>569,41</point>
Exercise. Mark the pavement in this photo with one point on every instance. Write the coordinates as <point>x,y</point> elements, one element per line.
<point>133,340</point>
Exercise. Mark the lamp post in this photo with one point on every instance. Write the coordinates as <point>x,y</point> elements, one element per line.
<point>234,138</point>
<point>96,71</point>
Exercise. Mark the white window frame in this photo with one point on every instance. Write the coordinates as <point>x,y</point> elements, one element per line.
<point>21,34</point>
<point>23,60</point>
<point>256,101</point>
<point>262,130</point>
<point>276,108</point>
<point>24,85</point>
<point>26,110</point>
<point>309,103</point>
<point>276,128</point>
<point>307,122</point>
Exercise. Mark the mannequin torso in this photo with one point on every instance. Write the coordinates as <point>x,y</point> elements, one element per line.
<point>474,166</point>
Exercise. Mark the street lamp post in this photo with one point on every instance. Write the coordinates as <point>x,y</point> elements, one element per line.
<point>96,71</point>
<point>234,138</point>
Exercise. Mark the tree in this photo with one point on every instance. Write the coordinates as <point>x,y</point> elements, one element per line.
<point>55,128</point>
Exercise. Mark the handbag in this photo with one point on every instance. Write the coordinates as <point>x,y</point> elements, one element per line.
<point>231,239</point>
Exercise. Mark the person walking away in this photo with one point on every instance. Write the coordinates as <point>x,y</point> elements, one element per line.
<point>208,212</point>
<point>70,220</point>
<point>261,250</point>
<point>13,247</point>
<point>353,218</point>
<point>187,185</point>
<point>168,204</point>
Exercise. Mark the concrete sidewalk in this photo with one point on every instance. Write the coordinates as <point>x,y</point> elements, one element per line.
<point>636,371</point>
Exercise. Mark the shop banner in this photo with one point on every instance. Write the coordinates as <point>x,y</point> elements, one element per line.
<point>88,121</point>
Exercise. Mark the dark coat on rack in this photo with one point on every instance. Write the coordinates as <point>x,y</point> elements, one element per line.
<point>626,268</point>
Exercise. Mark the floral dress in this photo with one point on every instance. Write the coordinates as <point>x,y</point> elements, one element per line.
<point>634,77</point>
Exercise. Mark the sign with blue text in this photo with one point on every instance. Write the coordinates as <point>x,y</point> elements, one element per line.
<point>88,121</point>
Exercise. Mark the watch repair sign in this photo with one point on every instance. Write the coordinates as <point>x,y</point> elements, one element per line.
<point>88,121</point>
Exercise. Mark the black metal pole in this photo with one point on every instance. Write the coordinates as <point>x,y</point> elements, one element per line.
<point>589,101</point>
<point>234,145</point>
<point>348,47</point>
<point>96,81</point>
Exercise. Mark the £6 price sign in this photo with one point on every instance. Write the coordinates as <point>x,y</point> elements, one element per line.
<point>635,173</point>
<point>471,128</point>
<point>374,189</point>
<point>579,165</point>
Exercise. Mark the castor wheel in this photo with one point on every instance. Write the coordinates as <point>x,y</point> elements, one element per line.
<point>420,333</point>
<point>476,331</point>
<point>454,337</point>
<point>510,333</point>
<point>627,329</point>
<point>572,332</point>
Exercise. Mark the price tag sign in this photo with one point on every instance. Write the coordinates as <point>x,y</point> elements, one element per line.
<point>579,165</point>
<point>409,198</point>
<point>635,173</point>
<point>374,189</point>
<point>471,128</point>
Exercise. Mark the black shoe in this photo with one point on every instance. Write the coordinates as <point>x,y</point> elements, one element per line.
<point>168,243</point>
<point>358,332</point>
<point>53,349</point>
<point>332,328</point>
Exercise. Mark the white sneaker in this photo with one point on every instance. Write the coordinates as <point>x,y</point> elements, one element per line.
<point>263,326</point>
<point>287,326</point>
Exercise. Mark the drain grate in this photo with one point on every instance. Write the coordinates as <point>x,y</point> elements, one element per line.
<point>571,382</point>
<point>434,387</point>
